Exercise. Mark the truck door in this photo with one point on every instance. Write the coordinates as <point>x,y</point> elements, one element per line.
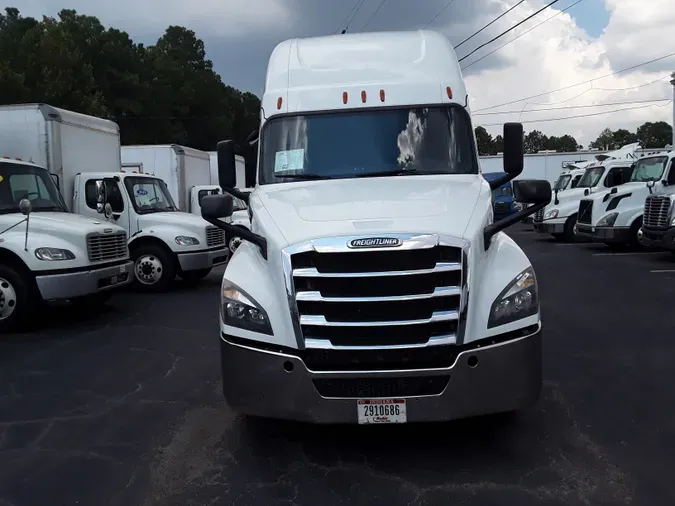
<point>114,196</point>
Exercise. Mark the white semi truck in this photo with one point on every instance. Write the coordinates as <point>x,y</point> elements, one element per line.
<point>48,253</point>
<point>658,220</point>
<point>614,217</point>
<point>374,285</point>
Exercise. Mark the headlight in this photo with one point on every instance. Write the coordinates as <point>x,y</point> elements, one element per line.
<point>184,240</point>
<point>551,214</point>
<point>607,220</point>
<point>239,310</point>
<point>517,301</point>
<point>54,254</point>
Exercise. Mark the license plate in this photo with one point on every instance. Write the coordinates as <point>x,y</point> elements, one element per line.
<point>381,411</point>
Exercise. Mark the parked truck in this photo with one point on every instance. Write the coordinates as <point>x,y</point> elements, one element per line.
<point>374,285</point>
<point>47,252</point>
<point>503,204</point>
<point>658,220</point>
<point>614,217</point>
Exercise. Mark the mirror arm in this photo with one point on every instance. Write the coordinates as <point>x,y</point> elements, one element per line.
<point>496,183</point>
<point>237,194</point>
<point>500,225</point>
<point>256,239</point>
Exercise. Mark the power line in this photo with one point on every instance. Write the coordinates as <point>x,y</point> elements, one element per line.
<point>584,106</point>
<point>439,13</point>
<point>342,23</point>
<point>579,115</point>
<point>374,14</point>
<point>356,10</point>
<point>524,33</point>
<point>507,31</point>
<point>491,22</point>
<point>580,83</point>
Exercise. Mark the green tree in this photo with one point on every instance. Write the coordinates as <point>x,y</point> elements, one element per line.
<point>484,140</point>
<point>604,141</point>
<point>655,135</point>
<point>622,137</point>
<point>498,145</point>
<point>535,141</point>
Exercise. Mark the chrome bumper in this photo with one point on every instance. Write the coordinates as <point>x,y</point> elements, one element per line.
<point>657,238</point>
<point>275,384</point>
<point>69,285</point>
<point>549,228</point>
<point>203,259</point>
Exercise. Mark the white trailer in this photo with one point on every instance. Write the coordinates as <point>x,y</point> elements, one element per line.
<point>46,252</point>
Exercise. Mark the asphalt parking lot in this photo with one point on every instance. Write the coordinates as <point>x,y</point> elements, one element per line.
<point>125,408</point>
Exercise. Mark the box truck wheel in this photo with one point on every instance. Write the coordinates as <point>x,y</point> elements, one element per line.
<point>154,268</point>
<point>14,298</point>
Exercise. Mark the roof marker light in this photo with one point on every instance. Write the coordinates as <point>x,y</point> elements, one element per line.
<point>381,95</point>
<point>363,96</point>
<point>279,102</point>
<point>448,90</point>
<point>345,97</point>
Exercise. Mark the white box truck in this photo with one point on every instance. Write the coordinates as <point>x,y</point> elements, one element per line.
<point>46,251</point>
<point>375,285</point>
<point>240,167</point>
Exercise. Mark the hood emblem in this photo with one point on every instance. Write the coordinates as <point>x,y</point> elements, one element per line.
<point>107,230</point>
<point>375,242</point>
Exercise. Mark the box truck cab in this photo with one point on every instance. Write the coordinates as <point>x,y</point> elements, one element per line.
<point>614,217</point>
<point>609,170</point>
<point>47,253</point>
<point>163,241</point>
<point>503,204</point>
<point>374,285</point>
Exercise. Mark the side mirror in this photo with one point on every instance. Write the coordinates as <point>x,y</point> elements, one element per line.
<point>107,210</point>
<point>614,190</point>
<point>227,174</point>
<point>25,207</point>
<point>586,192</point>
<point>514,157</point>
<point>253,137</point>
<point>532,191</point>
<point>217,206</point>
<point>100,208</point>
<point>100,192</point>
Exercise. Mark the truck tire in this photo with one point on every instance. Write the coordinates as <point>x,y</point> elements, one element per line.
<point>569,228</point>
<point>15,303</point>
<point>154,268</point>
<point>193,276</point>
<point>633,235</point>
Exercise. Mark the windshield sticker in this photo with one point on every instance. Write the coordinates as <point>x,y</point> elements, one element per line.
<point>291,160</point>
<point>141,191</point>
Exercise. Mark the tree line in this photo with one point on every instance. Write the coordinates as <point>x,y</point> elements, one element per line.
<point>157,94</point>
<point>650,135</point>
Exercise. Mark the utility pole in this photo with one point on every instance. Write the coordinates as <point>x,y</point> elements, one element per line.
<point>672,81</point>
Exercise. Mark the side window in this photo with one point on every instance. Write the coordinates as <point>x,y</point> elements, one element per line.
<point>575,181</point>
<point>671,173</point>
<point>616,176</point>
<point>203,193</point>
<point>113,195</point>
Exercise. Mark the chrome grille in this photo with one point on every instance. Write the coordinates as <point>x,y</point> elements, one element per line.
<point>102,247</point>
<point>538,216</point>
<point>656,212</point>
<point>585,212</point>
<point>380,297</point>
<point>215,237</point>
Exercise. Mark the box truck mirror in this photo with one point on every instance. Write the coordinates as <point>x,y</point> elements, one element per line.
<point>25,207</point>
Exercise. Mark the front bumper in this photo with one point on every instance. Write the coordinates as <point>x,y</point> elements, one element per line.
<point>657,238</point>
<point>203,259</point>
<point>278,384</point>
<point>546,227</point>
<point>612,235</point>
<point>78,283</point>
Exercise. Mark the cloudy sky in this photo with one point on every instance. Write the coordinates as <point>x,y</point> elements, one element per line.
<point>590,40</point>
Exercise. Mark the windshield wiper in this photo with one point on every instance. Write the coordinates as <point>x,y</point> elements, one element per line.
<point>396,172</point>
<point>302,175</point>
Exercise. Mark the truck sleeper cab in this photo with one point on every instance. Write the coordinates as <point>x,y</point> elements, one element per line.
<point>614,217</point>
<point>374,285</point>
<point>163,241</point>
<point>48,253</point>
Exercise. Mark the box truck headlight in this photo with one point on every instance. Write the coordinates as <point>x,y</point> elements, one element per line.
<point>608,220</point>
<point>517,301</point>
<point>54,254</point>
<point>551,214</point>
<point>240,310</point>
<point>184,240</point>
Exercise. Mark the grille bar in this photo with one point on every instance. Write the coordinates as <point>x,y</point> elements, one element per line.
<point>103,247</point>
<point>438,292</point>
<point>320,320</point>
<point>656,212</point>
<point>325,344</point>
<point>585,213</point>
<point>214,237</point>
<point>538,216</point>
<point>312,272</point>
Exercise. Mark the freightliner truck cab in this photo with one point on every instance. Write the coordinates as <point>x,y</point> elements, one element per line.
<point>374,285</point>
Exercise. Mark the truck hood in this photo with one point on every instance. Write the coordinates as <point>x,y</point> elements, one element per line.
<point>177,219</point>
<point>400,204</point>
<point>62,224</point>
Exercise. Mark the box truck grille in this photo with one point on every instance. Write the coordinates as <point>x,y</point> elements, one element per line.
<point>538,216</point>
<point>214,237</point>
<point>657,208</point>
<point>102,247</point>
<point>585,211</point>
<point>370,298</point>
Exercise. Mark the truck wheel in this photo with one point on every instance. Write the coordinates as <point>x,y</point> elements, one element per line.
<point>14,299</point>
<point>154,268</point>
<point>569,228</point>
<point>633,235</point>
<point>195,275</point>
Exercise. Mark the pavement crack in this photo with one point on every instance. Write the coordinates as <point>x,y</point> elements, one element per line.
<point>173,367</point>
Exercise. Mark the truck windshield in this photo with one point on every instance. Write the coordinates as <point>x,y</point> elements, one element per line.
<point>591,177</point>
<point>562,182</point>
<point>368,143</point>
<point>649,169</point>
<point>19,181</point>
<point>149,195</point>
